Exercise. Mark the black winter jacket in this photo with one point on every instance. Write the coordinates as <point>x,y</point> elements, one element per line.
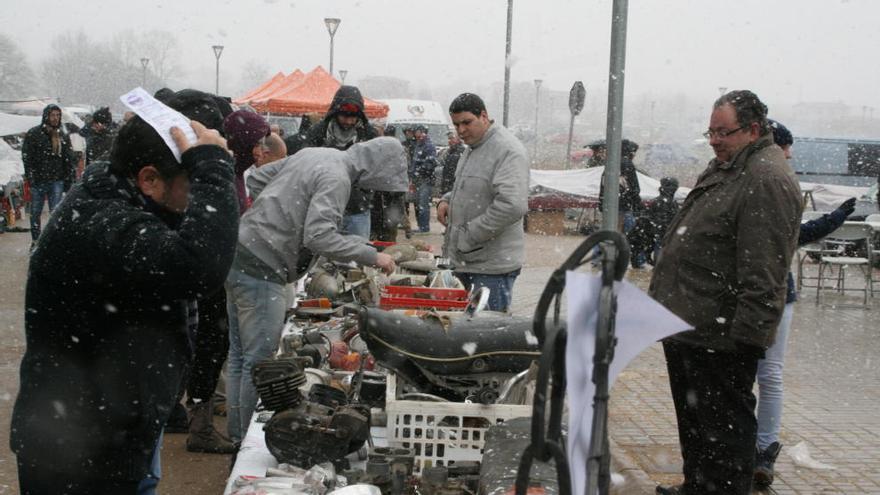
<point>107,306</point>
<point>40,164</point>
<point>629,198</point>
<point>360,200</point>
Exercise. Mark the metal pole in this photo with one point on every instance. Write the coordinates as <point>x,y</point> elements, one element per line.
<point>568,148</point>
<point>537,100</point>
<point>613,129</point>
<point>144,62</point>
<point>331,54</point>
<point>218,50</point>
<point>504,118</point>
<point>598,462</point>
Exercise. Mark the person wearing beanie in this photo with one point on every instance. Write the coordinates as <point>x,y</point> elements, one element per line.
<point>770,368</point>
<point>344,125</point>
<point>99,136</point>
<point>244,132</point>
<point>644,238</point>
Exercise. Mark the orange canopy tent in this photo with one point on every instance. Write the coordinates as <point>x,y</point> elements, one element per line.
<point>277,85</point>
<point>313,93</point>
<point>271,83</point>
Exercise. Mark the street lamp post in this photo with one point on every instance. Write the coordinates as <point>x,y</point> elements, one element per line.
<point>218,49</point>
<point>332,24</point>
<point>342,74</point>
<point>722,90</point>
<point>144,62</point>
<point>507,63</point>
<point>537,97</point>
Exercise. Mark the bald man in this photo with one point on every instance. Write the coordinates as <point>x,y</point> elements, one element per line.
<point>270,149</point>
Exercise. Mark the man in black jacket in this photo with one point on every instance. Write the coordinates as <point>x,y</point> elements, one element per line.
<point>450,158</point>
<point>99,136</point>
<point>629,202</point>
<point>344,125</point>
<point>109,309</point>
<point>48,162</point>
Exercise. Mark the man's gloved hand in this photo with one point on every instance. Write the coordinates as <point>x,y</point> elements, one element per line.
<point>848,206</point>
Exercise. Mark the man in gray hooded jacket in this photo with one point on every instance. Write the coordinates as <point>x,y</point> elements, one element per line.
<point>297,211</point>
<point>484,211</point>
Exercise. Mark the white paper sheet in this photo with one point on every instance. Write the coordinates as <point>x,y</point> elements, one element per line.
<point>640,322</point>
<point>160,117</point>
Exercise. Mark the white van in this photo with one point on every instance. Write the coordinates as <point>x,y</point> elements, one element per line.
<point>409,113</point>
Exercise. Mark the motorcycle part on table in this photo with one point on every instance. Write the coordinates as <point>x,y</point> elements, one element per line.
<point>305,432</point>
<point>456,358</point>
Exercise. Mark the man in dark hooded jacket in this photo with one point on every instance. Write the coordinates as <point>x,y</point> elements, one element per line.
<point>344,125</point>
<point>109,309</point>
<point>48,163</point>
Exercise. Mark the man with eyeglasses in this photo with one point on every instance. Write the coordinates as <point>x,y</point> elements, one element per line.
<point>723,270</point>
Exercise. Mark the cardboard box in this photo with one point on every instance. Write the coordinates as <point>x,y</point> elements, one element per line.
<point>546,222</point>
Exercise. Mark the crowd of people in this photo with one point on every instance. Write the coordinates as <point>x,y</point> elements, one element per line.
<point>153,272</point>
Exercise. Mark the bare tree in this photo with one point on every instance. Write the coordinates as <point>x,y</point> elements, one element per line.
<point>253,74</point>
<point>82,71</point>
<point>16,77</point>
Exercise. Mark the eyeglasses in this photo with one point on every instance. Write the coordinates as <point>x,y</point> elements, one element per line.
<point>723,134</point>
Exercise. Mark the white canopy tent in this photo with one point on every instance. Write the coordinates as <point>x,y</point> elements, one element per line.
<point>11,124</point>
<point>586,183</point>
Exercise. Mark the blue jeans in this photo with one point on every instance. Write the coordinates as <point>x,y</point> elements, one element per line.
<point>770,383</point>
<point>357,224</point>
<point>148,485</point>
<point>256,317</point>
<point>47,191</point>
<point>423,205</point>
<point>500,287</point>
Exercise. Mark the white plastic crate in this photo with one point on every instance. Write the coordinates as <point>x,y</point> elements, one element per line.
<point>441,433</point>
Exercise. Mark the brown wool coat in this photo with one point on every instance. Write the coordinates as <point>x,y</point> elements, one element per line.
<point>726,254</point>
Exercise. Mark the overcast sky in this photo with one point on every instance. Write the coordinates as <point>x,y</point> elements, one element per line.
<point>786,50</point>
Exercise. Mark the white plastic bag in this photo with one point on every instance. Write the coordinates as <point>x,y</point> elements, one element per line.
<point>800,454</point>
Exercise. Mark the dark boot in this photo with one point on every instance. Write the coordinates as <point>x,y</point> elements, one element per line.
<point>764,462</point>
<point>202,435</point>
<point>668,490</point>
<point>178,422</point>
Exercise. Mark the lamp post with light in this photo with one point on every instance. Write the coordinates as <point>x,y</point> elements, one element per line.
<point>342,74</point>
<point>144,62</point>
<point>218,49</point>
<point>332,24</point>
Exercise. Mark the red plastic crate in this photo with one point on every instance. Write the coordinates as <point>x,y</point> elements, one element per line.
<point>394,296</point>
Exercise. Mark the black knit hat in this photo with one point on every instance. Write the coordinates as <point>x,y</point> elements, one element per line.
<point>102,116</point>
<point>781,135</point>
<point>199,106</point>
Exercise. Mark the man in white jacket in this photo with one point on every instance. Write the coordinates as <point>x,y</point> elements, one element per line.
<point>484,210</point>
<point>298,207</point>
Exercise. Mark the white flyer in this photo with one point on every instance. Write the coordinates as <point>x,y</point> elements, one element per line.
<point>160,117</point>
<point>640,322</point>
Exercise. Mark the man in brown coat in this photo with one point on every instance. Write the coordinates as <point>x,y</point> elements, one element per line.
<point>723,269</point>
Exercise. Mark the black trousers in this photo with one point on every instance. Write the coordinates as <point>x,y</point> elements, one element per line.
<point>212,345</point>
<point>715,408</point>
<point>40,479</point>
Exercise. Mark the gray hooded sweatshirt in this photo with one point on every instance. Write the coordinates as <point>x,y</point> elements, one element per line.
<point>487,205</point>
<point>299,203</point>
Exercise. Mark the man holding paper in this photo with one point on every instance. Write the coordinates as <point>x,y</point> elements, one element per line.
<point>109,307</point>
